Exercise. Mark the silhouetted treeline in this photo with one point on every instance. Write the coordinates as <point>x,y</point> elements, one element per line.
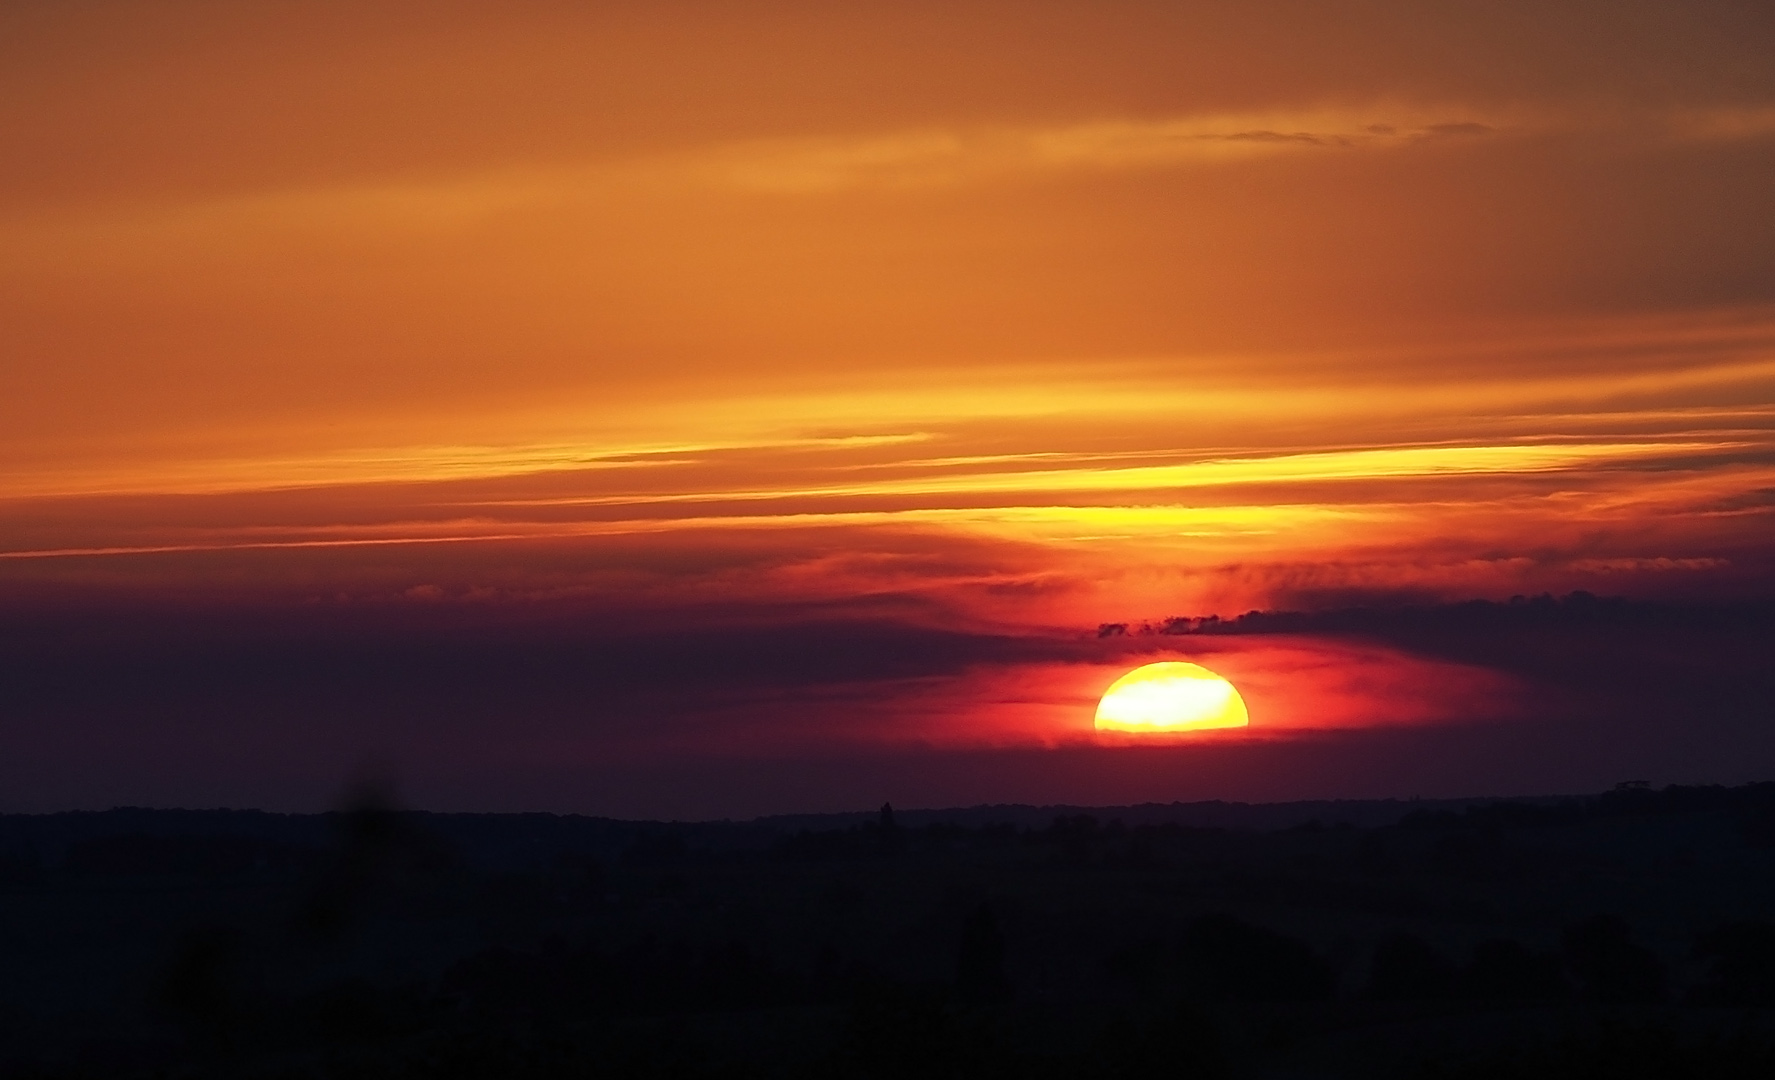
<point>142,853</point>
<point>1751,806</point>
<point>646,977</point>
<point>1597,959</point>
<point>1525,935</point>
<point>1220,956</point>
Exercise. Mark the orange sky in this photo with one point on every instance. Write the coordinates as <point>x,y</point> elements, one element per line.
<point>1022,316</point>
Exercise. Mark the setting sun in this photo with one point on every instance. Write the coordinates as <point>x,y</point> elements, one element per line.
<point>1169,697</point>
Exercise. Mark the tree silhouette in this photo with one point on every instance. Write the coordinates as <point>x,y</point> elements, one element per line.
<point>1741,964</point>
<point>1407,968</point>
<point>1506,970</point>
<point>1226,957</point>
<point>1609,965</point>
<point>980,962</point>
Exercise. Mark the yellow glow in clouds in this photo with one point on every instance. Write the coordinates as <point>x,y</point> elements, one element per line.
<point>1170,697</point>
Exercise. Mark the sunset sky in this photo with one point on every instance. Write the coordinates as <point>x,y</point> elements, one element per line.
<point>713,409</point>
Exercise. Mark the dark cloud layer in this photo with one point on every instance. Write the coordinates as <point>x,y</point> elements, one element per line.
<point>267,706</point>
<point>1656,668</point>
<point>564,707</point>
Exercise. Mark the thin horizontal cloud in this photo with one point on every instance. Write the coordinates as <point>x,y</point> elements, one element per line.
<point>1097,471</point>
<point>1126,392</point>
<point>942,156</point>
<point>907,158</point>
<point>1425,471</point>
<point>1723,124</point>
<point>1410,461</point>
<point>1657,564</point>
<point>923,157</point>
<point>428,463</point>
<point>1074,522</point>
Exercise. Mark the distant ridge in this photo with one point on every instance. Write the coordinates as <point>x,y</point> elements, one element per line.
<point>520,840</point>
<point>1211,814</point>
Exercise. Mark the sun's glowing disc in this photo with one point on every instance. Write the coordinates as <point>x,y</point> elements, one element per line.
<point>1168,697</point>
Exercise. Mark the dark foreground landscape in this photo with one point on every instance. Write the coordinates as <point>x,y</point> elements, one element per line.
<point>1628,934</point>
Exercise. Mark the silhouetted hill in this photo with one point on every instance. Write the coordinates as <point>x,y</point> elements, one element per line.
<point>1211,814</point>
<point>515,841</point>
<point>1383,938</point>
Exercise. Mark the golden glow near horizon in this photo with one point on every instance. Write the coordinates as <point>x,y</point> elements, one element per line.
<point>1170,697</point>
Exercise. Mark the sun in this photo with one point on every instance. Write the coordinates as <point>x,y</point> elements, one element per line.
<point>1170,697</point>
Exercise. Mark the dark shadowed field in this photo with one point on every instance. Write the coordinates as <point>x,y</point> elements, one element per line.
<point>1630,934</point>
